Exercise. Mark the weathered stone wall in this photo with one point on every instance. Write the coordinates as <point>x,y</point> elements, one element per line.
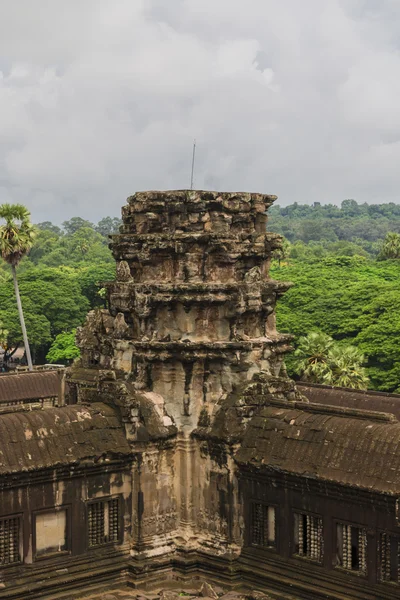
<point>155,508</point>
<point>41,495</point>
<point>283,569</point>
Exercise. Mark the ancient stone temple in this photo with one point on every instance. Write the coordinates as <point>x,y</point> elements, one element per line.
<point>190,323</point>
<point>183,450</point>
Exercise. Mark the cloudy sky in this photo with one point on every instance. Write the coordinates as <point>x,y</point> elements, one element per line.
<point>101,98</point>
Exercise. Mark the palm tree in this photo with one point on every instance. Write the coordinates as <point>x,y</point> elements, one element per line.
<point>345,368</point>
<point>283,252</point>
<point>83,246</point>
<point>16,239</point>
<point>312,356</point>
<point>390,247</point>
<point>322,360</point>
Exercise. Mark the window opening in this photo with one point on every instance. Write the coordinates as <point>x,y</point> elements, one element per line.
<point>389,558</point>
<point>51,532</point>
<point>351,548</point>
<point>103,522</point>
<point>308,536</point>
<point>10,541</point>
<point>263,525</point>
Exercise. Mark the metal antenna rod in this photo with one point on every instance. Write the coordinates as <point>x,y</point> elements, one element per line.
<point>194,152</point>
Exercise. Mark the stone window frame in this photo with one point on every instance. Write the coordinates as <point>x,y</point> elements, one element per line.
<point>104,500</point>
<point>265,505</point>
<point>68,534</point>
<point>386,578</point>
<point>362,557</point>
<point>320,526</point>
<point>19,518</point>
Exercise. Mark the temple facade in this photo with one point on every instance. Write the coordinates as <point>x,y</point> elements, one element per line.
<point>181,447</point>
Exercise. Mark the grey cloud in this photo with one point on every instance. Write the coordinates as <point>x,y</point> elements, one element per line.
<point>99,99</point>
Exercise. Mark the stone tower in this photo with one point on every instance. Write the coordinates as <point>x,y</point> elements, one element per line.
<point>190,323</point>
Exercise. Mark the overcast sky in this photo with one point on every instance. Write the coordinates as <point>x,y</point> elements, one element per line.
<point>101,98</point>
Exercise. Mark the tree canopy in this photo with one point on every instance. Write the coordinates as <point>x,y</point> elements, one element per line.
<point>363,224</point>
<point>353,300</point>
<point>63,350</point>
<point>59,282</point>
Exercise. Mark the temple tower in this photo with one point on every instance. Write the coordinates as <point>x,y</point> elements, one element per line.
<point>190,320</point>
<point>193,287</point>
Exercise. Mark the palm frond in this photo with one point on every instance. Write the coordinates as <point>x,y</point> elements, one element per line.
<point>16,234</point>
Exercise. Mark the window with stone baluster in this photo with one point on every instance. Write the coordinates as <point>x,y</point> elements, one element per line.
<point>10,538</point>
<point>103,522</point>
<point>389,557</point>
<point>308,536</point>
<point>262,525</point>
<point>351,548</point>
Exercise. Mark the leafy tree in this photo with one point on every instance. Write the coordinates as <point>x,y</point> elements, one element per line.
<point>312,229</point>
<point>64,349</point>
<point>56,294</point>
<point>53,303</point>
<point>38,328</point>
<point>378,336</point>
<point>91,277</point>
<point>76,223</point>
<point>48,226</point>
<point>45,242</point>
<point>350,207</point>
<point>83,246</point>
<point>108,225</point>
<point>16,239</point>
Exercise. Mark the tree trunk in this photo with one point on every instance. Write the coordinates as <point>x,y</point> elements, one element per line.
<point>21,318</point>
<point>9,354</point>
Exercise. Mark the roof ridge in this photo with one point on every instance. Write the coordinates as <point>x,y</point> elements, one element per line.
<point>338,411</point>
<point>322,386</point>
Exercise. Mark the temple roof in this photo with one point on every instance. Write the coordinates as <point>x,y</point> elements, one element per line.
<point>29,385</point>
<point>40,439</point>
<point>343,446</point>
<point>361,399</point>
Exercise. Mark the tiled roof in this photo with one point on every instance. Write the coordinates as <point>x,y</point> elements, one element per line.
<point>38,439</point>
<point>363,399</point>
<point>29,385</point>
<point>351,447</point>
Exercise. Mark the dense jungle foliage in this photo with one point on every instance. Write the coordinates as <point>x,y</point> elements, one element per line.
<point>362,224</point>
<point>59,283</point>
<point>344,264</point>
<point>343,261</point>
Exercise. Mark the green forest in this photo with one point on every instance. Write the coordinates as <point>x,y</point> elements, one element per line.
<point>60,281</point>
<point>343,263</point>
<point>345,269</point>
